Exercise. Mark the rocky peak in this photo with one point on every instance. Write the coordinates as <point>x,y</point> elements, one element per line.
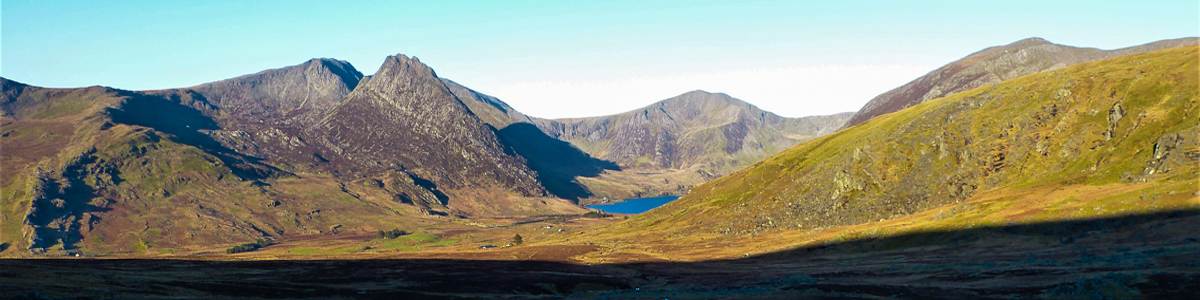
<point>1029,42</point>
<point>315,85</point>
<point>342,69</point>
<point>406,118</point>
<point>400,72</point>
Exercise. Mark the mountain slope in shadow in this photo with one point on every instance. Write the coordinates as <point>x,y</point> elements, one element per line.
<point>557,163</point>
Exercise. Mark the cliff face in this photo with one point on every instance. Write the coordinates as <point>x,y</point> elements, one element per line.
<point>994,65</point>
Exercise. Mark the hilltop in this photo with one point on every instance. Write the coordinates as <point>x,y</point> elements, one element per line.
<point>993,65</point>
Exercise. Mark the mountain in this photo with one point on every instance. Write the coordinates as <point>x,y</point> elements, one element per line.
<point>1108,138</point>
<point>325,116</point>
<point>405,118</point>
<point>305,150</point>
<point>992,65</point>
<point>673,144</point>
<point>264,114</point>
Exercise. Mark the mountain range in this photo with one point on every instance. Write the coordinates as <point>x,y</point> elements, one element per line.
<point>305,149</point>
<point>319,148</point>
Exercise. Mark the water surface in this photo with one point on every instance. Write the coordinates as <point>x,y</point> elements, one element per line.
<point>635,206</point>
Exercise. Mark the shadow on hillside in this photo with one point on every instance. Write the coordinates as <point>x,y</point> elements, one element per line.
<point>57,217</point>
<point>185,124</point>
<point>556,162</point>
<point>431,187</point>
<point>1147,255</point>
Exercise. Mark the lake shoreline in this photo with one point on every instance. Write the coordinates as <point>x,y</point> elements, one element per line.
<point>634,206</point>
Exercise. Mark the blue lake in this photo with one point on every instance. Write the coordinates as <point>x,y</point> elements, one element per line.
<point>635,206</point>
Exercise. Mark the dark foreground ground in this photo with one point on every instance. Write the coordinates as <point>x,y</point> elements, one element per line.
<point>1148,256</point>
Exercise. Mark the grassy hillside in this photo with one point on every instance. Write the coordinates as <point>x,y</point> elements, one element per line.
<point>1108,138</point>
<point>992,65</point>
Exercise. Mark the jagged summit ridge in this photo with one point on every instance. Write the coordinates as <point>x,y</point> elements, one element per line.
<point>317,85</point>
<point>400,72</point>
<point>406,118</point>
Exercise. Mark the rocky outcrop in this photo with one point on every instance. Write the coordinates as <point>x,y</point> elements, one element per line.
<point>994,65</point>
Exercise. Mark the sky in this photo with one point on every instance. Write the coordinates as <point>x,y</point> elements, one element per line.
<point>557,59</point>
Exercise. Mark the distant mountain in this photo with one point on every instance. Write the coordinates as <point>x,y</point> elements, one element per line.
<point>994,65</point>
<point>684,140</point>
<point>1108,138</point>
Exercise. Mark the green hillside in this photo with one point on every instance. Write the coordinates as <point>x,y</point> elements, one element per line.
<point>1107,138</point>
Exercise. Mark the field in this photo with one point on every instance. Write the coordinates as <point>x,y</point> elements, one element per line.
<point>1103,258</point>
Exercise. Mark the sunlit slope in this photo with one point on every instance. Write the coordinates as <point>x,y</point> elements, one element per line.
<point>993,65</point>
<point>1121,125</point>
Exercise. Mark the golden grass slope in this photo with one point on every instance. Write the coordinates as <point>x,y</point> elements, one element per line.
<point>1112,137</point>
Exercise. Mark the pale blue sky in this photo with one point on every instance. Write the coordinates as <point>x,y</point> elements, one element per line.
<point>564,58</point>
